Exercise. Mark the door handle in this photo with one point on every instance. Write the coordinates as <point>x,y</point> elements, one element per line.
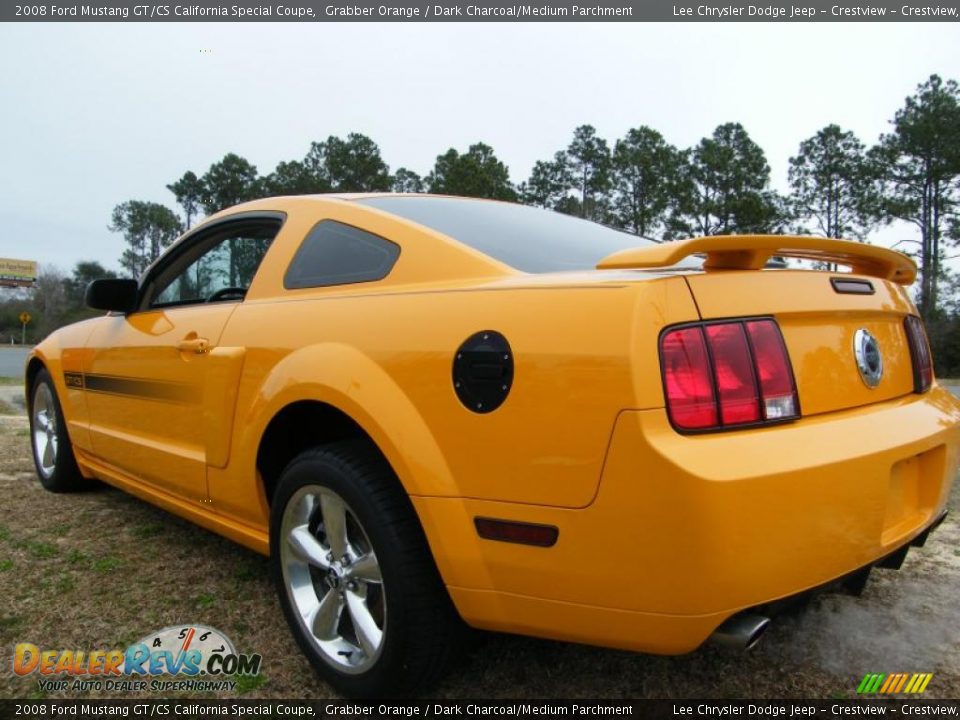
<point>196,345</point>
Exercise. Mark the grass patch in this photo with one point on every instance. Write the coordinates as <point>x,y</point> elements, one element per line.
<point>248,683</point>
<point>9,622</point>
<point>40,550</point>
<point>11,381</point>
<point>6,565</point>
<point>8,409</point>
<point>147,531</point>
<point>107,564</point>
<point>250,570</point>
<point>75,556</point>
<point>65,583</point>
<point>205,601</point>
<point>4,532</point>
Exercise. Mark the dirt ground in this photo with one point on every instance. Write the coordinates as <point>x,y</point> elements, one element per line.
<point>100,569</point>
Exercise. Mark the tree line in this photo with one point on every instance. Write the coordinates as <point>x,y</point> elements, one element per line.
<point>641,183</point>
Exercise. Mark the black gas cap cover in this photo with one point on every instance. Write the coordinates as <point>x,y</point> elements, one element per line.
<point>483,371</point>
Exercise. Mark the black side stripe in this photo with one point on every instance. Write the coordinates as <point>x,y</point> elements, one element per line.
<point>133,387</point>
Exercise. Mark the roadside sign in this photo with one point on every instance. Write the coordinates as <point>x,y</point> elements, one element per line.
<point>24,319</point>
<point>17,273</point>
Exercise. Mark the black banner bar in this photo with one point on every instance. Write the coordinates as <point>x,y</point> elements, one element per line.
<point>482,11</point>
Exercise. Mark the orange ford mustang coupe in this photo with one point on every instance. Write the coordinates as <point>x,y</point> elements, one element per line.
<point>429,410</point>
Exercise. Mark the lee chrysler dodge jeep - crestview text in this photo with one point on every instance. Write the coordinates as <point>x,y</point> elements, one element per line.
<point>434,411</point>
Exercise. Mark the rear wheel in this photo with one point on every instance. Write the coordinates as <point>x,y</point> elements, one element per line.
<point>354,574</point>
<point>52,452</point>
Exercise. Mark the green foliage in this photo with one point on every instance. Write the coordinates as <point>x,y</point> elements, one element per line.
<point>355,165</point>
<point>476,173</point>
<point>351,165</point>
<point>229,182</point>
<point>645,174</point>
<point>189,191</point>
<point>333,165</point>
<point>944,334</point>
<point>407,181</point>
<point>293,178</point>
<point>147,228</point>
<point>919,167</point>
<point>549,183</point>
<point>54,301</point>
<point>724,188</point>
<point>588,159</point>
<point>833,192</point>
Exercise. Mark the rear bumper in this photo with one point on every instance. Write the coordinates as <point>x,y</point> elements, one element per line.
<point>687,531</point>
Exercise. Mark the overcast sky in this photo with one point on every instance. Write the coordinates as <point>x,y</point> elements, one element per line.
<point>92,115</point>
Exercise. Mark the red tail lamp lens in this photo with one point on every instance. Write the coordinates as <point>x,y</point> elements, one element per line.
<point>729,374</point>
<point>919,353</point>
<point>733,370</point>
<point>686,369</point>
<point>777,385</point>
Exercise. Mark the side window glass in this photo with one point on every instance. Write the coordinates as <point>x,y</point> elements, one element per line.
<point>336,254</point>
<point>223,271</point>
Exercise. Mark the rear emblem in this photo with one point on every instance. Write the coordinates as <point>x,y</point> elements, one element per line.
<point>866,350</point>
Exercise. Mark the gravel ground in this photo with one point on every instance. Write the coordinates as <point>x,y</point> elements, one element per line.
<point>100,569</point>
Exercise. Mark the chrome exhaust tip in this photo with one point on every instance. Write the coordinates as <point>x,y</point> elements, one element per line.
<point>741,632</point>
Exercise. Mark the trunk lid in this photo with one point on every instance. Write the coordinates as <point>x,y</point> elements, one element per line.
<point>819,325</point>
<point>822,315</point>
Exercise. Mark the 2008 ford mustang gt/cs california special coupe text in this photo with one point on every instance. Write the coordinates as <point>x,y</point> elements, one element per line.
<point>431,411</point>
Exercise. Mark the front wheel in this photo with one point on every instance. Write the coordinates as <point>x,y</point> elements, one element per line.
<point>354,574</point>
<point>52,452</point>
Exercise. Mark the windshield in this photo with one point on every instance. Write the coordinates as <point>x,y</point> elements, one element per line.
<point>529,239</point>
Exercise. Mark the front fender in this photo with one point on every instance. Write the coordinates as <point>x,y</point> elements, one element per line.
<point>64,351</point>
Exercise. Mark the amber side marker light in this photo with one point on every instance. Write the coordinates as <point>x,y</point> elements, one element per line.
<point>727,375</point>
<point>516,532</point>
<point>919,353</point>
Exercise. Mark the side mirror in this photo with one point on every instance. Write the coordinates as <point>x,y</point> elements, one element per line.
<point>116,294</point>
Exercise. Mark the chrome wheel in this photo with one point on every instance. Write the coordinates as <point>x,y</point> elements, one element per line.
<point>332,578</point>
<point>45,439</point>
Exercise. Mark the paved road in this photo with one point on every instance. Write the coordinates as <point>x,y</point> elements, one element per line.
<point>12,360</point>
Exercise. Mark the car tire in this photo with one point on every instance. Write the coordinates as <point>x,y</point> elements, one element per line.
<point>354,574</point>
<point>52,452</point>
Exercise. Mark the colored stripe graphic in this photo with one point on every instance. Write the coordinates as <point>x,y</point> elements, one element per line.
<point>870,683</point>
<point>134,387</point>
<point>908,683</point>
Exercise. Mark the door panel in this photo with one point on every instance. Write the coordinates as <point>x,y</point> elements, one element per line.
<point>159,391</point>
<point>146,392</point>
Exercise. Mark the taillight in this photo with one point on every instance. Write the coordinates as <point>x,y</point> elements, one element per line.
<point>919,353</point>
<point>727,374</point>
<point>687,376</point>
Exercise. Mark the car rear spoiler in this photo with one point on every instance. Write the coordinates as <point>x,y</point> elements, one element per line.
<point>751,252</point>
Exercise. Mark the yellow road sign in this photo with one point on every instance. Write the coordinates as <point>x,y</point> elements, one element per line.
<point>25,317</point>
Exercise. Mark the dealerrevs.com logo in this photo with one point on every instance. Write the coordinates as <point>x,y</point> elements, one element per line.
<point>191,657</point>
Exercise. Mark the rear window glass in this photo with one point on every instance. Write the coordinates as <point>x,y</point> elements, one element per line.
<point>337,254</point>
<point>526,238</point>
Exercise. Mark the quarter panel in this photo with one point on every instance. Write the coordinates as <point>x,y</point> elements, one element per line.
<point>581,355</point>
